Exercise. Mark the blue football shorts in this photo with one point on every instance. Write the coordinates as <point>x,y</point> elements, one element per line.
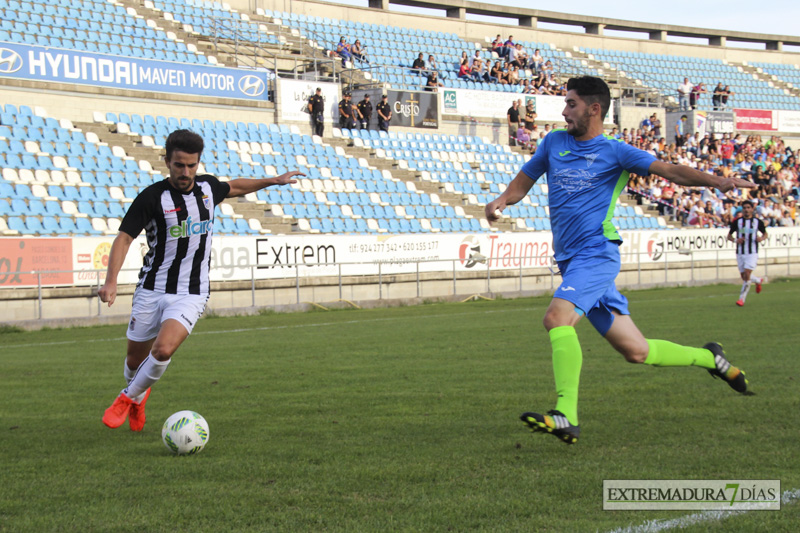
<point>587,280</point>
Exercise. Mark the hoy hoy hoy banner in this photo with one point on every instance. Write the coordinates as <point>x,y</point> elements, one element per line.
<point>39,63</point>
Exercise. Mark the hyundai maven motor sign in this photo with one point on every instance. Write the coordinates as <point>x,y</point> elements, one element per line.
<point>38,63</point>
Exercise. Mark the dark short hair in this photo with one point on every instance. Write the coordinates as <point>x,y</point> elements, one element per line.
<point>184,141</point>
<point>592,91</point>
<point>747,202</point>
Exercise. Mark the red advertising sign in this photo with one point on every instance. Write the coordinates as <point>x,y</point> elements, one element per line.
<point>18,256</point>
<point>756,119</point>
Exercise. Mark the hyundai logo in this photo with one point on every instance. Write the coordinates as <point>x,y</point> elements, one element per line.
<point>10,61</point>
<point>251,85</point>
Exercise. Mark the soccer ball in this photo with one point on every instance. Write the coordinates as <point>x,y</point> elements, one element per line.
<point>185,433</point>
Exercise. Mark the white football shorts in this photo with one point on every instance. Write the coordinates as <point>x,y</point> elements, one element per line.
<point>150,309</point>
<point>747,261</point>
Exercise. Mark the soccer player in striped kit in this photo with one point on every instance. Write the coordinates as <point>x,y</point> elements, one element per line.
<point>749,231</point>
<point>177,215</point>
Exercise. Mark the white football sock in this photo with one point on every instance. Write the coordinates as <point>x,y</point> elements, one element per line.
<point>147,374</point>
<point>755,279</point>
<point>744,291</point>
<point>129,374</point>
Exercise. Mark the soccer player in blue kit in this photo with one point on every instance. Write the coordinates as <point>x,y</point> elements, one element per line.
<point>586,172</point>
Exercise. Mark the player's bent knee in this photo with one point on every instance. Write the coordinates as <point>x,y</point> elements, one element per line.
<point>635,352</point>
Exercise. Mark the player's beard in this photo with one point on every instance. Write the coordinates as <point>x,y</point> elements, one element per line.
<point>578,128</point>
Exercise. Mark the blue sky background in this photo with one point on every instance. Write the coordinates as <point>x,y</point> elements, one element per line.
<point>778,17</point>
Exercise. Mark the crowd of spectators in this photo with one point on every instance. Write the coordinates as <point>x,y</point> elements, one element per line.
<point>690,95</point>
<point>513,66</point>
<point>770,164</point>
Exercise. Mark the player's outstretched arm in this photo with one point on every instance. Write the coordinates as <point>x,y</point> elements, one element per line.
<point>516,191</point>
<point>116,257</point>
<point>690,177</point>
<point>243,186</point>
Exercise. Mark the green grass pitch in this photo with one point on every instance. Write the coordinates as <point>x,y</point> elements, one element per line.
<point>398,419</point>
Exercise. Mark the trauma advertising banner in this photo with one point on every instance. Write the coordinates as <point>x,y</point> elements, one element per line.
<point>304,256</point>
<point>756,119</point>
<point>491,104</point>
<point>39,63</point>
<point>414,109</point>
<point>293,98</point>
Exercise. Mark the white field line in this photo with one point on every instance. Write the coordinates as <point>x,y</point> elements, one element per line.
<point>654,526</point>
<point>269,328</point>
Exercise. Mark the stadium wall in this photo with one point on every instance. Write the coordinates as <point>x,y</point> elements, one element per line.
<point>287,272</point>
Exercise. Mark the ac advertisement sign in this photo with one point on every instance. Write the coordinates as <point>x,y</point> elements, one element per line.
<point>491,104</point>
<point>22,61</point>
<point>287,256</point>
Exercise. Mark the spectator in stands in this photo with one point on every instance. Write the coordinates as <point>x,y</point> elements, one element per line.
<point>513,75</point>
<point>694,97</point>
<point>433,82</point>
<point>766,212</point>
<point>656,122</point>
<point>490,76</point>
<point>343,51</point>
<point>174,281</point>
<point>716,97</point>
<point>680,131</point>
<point>726,150</point>
<point>358,52</point>
<point>418,66</point>
<point>346,115</point>
<point>546,69</point>
<point>530,115</point>
<point>536,61</point>
<point>726,94</point>
<point>316,107</point>
<point>365,111</point>
<point>523,137</point>
<point>464,72</point>
<point>509,43</point>
<point>646,124</point>
<point>477,66</point>
<point>384,111</point>
<point>684,90</point>
<point>497,46</point>
<point>512,117</point>
<point>513,55</point>
<point>431,65</point>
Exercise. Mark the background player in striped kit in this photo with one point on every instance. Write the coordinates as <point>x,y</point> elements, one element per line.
<point>177,215</point>
<point>747,229</point>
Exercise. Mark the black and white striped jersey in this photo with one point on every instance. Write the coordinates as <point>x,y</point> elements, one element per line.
<point>179,227</point>
<point>749,229</point>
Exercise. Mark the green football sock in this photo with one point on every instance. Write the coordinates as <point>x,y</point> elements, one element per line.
<point>665,353</point>
<point>567,359</point>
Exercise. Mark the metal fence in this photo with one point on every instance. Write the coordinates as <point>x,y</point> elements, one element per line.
<point>448,279</point>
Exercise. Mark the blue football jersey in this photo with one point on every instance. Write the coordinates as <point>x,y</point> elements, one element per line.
<point>584,179</point>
